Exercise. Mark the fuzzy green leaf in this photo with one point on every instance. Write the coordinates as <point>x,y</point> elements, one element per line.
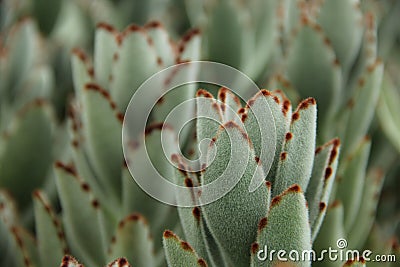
<point>50,235</point>
<point>105,46</point>
<point>81,70</point>
<point>297,156</point>
<point>355,263</point>
<point>121,262</point>
<point>26,151</point>
<point>46,12</point>
<point>38,84</point>
<point>366,214</point>
<point>191,219</point>
<point>18,245</point>
<point>313,70</point>
<point>162,42</point>
<point>134,198</point>
<point>102,124</point>
<point>180,253</point>
<point>190,46</point>
<point>214,255</point>
<point>362,106</point>
<point>230,104</point>
<point>331,231</point>
<point>388,111</point>
<point>135,55</point>
<point>83,166</point>
<point>224,27</point>
<point>321,183</point>
<point>133,241</point>
<point>208,108</point>
<point>340,20</point>
<point>260,126</point>
<point>285,228</point>
<point>80,207</point>
<point>351,183</point>
<point>368,53</point>
<point>235,156</point>
<point>8,217</point>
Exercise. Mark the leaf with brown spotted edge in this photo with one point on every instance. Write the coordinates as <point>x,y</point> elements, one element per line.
<point>81,216</point>
<point>26,151</point>
<point>180,253</point>
<point>102,128</point>
<point>235,156</point>
<point>133,241</point>
<point>297,156</point>
<point>135,54</point>
<point>351,185</point>
<point>191,219</point>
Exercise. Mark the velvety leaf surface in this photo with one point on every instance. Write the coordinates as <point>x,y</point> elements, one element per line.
<point>297,156</point>
<point>235,156</point>
<point>351,182</point>
<point>30,131</point>
<point>133,240</point>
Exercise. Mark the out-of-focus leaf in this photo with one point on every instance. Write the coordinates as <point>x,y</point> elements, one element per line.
<point>136,55</point>
<point>50,235</point>
<point>133,240</point>
<point>26,151</point>
<point>235,156</point>
<point>80,207</point>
